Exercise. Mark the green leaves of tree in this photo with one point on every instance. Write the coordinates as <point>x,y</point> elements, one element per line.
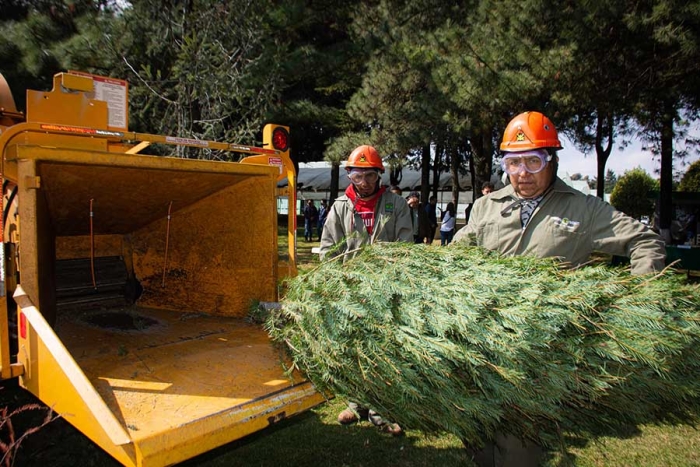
<point>631,194</point>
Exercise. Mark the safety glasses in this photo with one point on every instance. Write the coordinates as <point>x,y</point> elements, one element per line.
<point>532,161</point>
<point>357,176</point>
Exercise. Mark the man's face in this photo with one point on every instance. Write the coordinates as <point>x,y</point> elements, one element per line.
<point>364,180</point>
<point>486,190</point>
<point>413,202</point>
<point>529,185</point>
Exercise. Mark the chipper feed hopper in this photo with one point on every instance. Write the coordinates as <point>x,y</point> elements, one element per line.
<point>127,278</point>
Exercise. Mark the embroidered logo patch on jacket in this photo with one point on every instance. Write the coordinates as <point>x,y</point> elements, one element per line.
<point>389,207</point>
<point>566,223</point>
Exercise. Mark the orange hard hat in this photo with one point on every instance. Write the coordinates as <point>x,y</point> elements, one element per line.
<point>530,130</point>
<point>365,157</point>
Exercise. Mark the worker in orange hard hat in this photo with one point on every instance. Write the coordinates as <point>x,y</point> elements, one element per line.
<point>532,142</point>
<point>368,212</point>
<point>540,215</point>
<point>364,167</point>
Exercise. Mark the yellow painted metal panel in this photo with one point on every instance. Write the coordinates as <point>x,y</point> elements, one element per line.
<point>76,82</point>
<point>79,156</point>
<point>163,393</point>
<point>222,252</point>
<point>54,377</point>
<point>128,191</point>
<point>224,427</point>
<point>51,107</point>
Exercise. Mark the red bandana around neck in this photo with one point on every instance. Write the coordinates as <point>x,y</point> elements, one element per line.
<point>365,208</point>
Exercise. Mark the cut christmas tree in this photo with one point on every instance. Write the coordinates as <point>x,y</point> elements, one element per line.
<point>464,340</point>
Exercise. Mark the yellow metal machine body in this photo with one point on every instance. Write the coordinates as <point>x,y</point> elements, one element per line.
<point>132,277</point>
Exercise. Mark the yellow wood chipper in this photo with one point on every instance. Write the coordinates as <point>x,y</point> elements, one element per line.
<point>127,278</point>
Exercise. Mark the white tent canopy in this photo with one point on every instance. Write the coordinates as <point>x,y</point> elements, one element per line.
<point>316,176</point>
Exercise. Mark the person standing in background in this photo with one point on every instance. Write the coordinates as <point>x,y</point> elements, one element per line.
<point>486,188</point>
<point>447,228</point>
<point>419,218</point>
<point>322,214</point>
<point>310,217</point>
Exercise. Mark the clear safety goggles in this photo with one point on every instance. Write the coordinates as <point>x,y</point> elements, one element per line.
<point>532,161</point>
<point>358,176</point>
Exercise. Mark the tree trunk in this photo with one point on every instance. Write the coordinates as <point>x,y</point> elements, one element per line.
<point>335,181</point>
<point>425,174</point>
<point>666,177</point>
<point>454,171</point>
<point>604,132</point>
<point>482,158</point>
<point>437,163</point>
<point>396,175</point>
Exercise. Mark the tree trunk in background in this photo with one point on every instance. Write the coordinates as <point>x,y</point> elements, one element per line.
<point>666,177</point>
<point>604,132</point>
<point>425,174</point>
<point>335,181</point>
<point>482,158</point>
<point>437,163</point>
<point>395,175</point>
<point>454,171</point>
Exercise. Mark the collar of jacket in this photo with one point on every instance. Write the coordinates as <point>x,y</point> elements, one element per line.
<point>513,201</point>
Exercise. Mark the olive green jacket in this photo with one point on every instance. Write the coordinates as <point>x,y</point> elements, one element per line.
<point>566,224</point>
<point>344,231</point>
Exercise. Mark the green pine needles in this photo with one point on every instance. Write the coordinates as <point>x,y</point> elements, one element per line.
<point>463,340</point>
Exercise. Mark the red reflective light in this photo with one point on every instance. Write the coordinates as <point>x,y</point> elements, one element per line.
<point>22,326</point>
<point>280,139</point>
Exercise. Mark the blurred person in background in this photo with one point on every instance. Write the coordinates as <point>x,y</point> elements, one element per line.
<point>431,209</point>
<point>447,228</point>
<point>419,218</point>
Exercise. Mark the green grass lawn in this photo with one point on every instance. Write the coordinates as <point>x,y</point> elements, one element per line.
<point>316,439</point>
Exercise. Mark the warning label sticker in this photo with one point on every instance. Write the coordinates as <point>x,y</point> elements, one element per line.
<point>187,141</point>
<point>114,93</point>
<point>276,161</point>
